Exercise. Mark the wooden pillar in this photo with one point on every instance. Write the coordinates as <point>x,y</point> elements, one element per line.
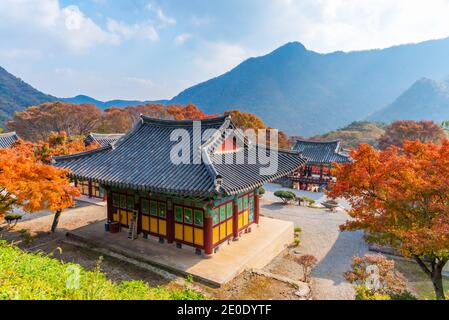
<point>256,207</point>
<point>321,172</point>
<point>208,237</point>
<point>170,222</point>
<point>139,213</point>
<point>235,220</point>
<point>108,195</point>
<point>90,188</point>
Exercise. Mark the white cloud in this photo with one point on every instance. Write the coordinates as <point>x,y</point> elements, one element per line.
<point>147,83</point>
<point>182,38</point>
<point>19,53</point>
<point>218,57</point>
<point>143,29</point>
<point>66,26</point>
<point>327,25</point>
<point>162,17</point>
<point>65,72</point>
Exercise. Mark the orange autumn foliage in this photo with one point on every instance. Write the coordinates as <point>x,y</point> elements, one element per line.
<point>33,185</point>
<point>119,120</point>
<point>57,144</point>
<point>37,122</point>
<point>244,121</point>
<point>400,198</point>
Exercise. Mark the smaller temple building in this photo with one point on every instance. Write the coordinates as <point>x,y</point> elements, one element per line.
<point>93,189</point>
<point>7,140</point>
<point>159,183</point>
<point>102,139</point>
<point>320,156</point>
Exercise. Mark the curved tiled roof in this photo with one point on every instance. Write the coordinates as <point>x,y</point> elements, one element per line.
<point>102,139</point>
<point>321,152</point>
<point>8,139</point>
<point>141,160</point>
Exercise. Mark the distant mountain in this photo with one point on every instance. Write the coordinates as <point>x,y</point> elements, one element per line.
<point>426,99</point>
<point>16,95</point>
<point>307,93</point>
<point>112,103</point>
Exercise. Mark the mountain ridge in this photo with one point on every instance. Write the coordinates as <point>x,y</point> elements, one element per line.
<point>16,95</point>
<point>426,99</point>
<point>316,92</point>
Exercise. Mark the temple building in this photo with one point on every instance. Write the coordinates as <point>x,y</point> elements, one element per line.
<point>89,188</point>
<point>102,139</point>
<point>7,140</point>
<point>316,174</point>
<point>203,201</point>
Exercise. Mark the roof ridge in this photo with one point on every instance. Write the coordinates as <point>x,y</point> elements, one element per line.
<point>8,134</point>
<point>321,142</point>
<point>173,123</point>
<point>106,134</point>
<point>80,154</point>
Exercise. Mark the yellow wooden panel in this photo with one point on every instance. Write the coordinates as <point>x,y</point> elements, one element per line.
<point>216,234</point>
<point>240,221</point>
<point>116,217</point>
<point>162,227</point>
<point>229,227</point>
<point>145,223</point>
<point>178,231</point>
<point>188,234</point>
<point>153,225</point>
<point>199,236</point>
<point>124,217</point>
<point>245,218</point>
<point>222,231</point>
<point>130,216</point>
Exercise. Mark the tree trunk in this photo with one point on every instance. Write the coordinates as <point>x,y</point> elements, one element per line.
<point>435,273</point>
<point>55,221</point>
<point>437,280</point>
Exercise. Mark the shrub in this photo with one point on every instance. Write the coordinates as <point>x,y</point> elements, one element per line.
<point>10,218</point>
<point>363,293</point>
<point>297,242</point>
<point>307,262</point>
<point>406,295</point>
<point>261,192</point>
<point>378,275</point>
<point>285,196</point>
<point>35,276</point>
<point>297,230</point>
<point>311,202</point>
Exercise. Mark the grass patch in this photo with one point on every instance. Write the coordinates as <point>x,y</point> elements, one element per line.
<point>420,281</point>
<point>36,276</point>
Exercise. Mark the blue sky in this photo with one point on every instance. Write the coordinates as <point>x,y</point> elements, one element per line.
<point>153,49</point>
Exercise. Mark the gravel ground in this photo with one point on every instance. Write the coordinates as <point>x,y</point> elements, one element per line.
<point>322,238</point>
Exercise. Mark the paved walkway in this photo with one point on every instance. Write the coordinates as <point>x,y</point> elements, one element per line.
<point>322,238</point>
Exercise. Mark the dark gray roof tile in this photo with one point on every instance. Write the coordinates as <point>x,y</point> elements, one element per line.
<point>8,139</point>
<point>321,152</point>
<point>102,139</point>
<point>141,160</point>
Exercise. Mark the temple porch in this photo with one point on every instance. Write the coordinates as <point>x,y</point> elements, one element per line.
<point>255,250</point>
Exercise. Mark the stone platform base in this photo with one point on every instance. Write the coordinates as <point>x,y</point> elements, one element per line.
<point>253,251</point>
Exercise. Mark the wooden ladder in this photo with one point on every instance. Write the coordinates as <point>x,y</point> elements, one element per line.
<point>132,232</point>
